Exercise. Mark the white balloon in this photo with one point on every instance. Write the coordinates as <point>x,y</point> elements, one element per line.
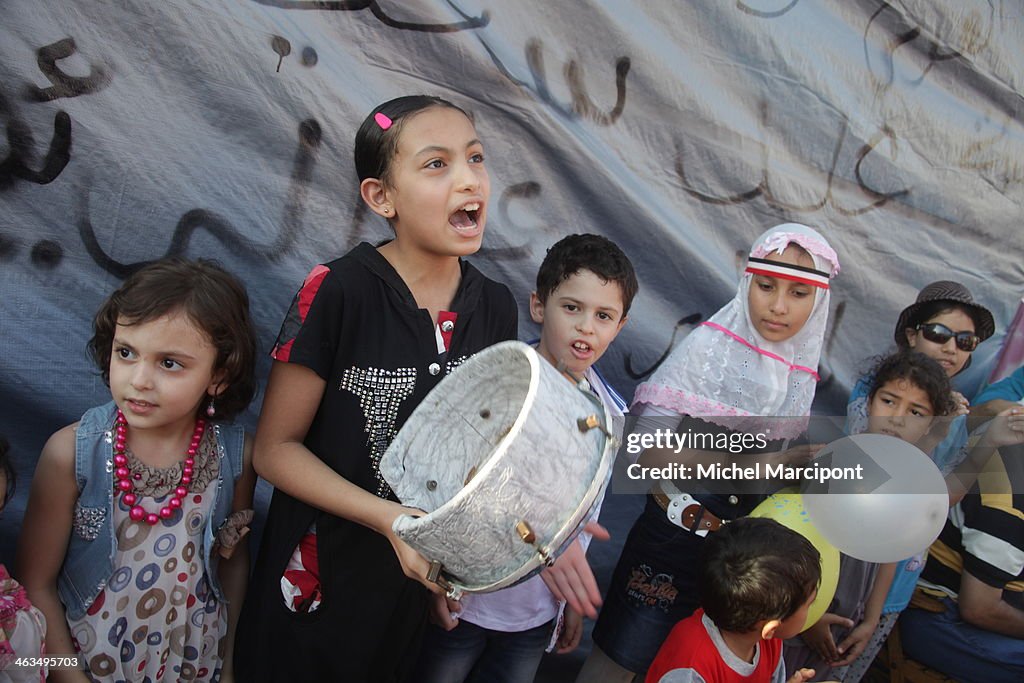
<point>901,510</point>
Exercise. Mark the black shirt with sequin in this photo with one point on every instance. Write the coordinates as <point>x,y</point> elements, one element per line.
<point>356,324</point>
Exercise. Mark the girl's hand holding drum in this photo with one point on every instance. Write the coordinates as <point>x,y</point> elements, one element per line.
<point>414,565</point>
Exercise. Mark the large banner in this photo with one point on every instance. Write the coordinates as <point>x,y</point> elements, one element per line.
<point>681,130</point>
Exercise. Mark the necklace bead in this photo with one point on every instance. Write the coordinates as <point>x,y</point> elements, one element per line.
<point>124,481</point>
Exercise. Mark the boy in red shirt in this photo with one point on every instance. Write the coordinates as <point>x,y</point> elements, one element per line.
<point>758,580</point>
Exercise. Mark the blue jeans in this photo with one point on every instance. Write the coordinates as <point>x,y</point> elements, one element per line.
<point>653,587</point>
<point>946,643</point>
<point>472,654</point>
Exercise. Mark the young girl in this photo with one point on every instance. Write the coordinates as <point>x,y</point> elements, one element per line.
<point>945,324</point>
<point>22,626</point>
<point>908,389</point>
<point>128,544</point>
<point>754,359</point>
<point>336,596</point>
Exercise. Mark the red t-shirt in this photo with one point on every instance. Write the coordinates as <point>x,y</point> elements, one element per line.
<point>691,653</point>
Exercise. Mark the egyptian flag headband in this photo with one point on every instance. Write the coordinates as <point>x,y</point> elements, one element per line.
<point>787,271</point>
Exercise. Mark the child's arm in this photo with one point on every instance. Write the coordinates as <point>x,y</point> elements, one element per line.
<point>43,542</point>
<point>993,407</point>
<point>1005,429</point>
<point>572,631</point>
<point>292,400</point>
<point>819,636</point>
<point>857,639</point>
<point>234,569</point>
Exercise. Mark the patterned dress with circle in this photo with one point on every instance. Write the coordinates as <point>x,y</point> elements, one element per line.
<point>157,619</point>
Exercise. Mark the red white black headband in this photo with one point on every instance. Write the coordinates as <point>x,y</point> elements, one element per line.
<point>787,271</point>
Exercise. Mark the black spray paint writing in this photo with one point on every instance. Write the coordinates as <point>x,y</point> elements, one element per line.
<point>627,359</point>
<point>763,189</point>
<point>21,155</point>
<point>282,47</point>
<point>219,227</point>
<point>763,13</point>
<point>375,9</point>
<point>63,84</point>
<point>582,105</point>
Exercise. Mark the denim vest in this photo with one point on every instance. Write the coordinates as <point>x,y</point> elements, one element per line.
<point>89,562</point>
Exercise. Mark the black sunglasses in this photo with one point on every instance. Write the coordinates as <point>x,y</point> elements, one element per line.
<point>940,334</point>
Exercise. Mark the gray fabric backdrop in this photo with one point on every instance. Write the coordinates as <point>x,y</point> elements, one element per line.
<point>679,129</point>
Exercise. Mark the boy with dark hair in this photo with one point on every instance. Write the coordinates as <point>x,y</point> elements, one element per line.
<point>758,580</point>
<point>585,286</point>
<point>595,253</point>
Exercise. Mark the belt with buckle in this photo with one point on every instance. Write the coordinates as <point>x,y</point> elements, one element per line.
<point>684,510</point>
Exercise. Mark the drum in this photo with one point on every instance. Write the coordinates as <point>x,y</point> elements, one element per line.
<point>509,459</point>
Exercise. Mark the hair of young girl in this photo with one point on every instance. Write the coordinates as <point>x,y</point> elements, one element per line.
<point>921,371</point>
<point>376,146</point>
<point>214,300</point>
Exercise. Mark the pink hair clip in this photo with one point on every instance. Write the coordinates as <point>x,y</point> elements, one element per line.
<point>382,120</point>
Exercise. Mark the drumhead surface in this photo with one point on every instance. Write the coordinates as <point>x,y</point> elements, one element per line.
<point>498,443</point>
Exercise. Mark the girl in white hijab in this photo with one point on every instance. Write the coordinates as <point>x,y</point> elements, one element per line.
<point>752,367</point>
<point>728,367</point>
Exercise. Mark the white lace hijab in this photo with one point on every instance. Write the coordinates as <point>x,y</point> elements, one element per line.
<point>724,369</point>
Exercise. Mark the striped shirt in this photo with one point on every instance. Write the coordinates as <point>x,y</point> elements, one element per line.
<point>984,533</point>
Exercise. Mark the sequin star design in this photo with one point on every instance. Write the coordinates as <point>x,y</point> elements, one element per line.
<point>381,393</point>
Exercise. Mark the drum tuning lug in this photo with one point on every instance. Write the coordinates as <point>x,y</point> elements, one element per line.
<point>525,532</point>
<point>434,576</point>
<point>589,422</point>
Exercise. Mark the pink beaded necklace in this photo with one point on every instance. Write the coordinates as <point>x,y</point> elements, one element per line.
<point>137,513</point>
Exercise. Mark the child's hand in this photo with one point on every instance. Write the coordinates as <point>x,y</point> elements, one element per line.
<point>1006,428</point>
<point>572,631</point>
<point>801,676</point>
<point>819,637</point>
<point>855,642</point>
<point>963,406</point>
<point>444,611</point>
<point>414,565</point>
<point>571,579</point>
<point>226,551</point>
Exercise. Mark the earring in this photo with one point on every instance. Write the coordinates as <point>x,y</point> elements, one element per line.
<point>210,410</point>
<point>387,210</point>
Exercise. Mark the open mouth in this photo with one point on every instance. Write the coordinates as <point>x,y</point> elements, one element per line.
<point>466,217</point>
<point>582,350</point>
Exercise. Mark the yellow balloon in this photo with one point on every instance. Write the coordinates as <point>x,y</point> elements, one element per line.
<point>788,510</point>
